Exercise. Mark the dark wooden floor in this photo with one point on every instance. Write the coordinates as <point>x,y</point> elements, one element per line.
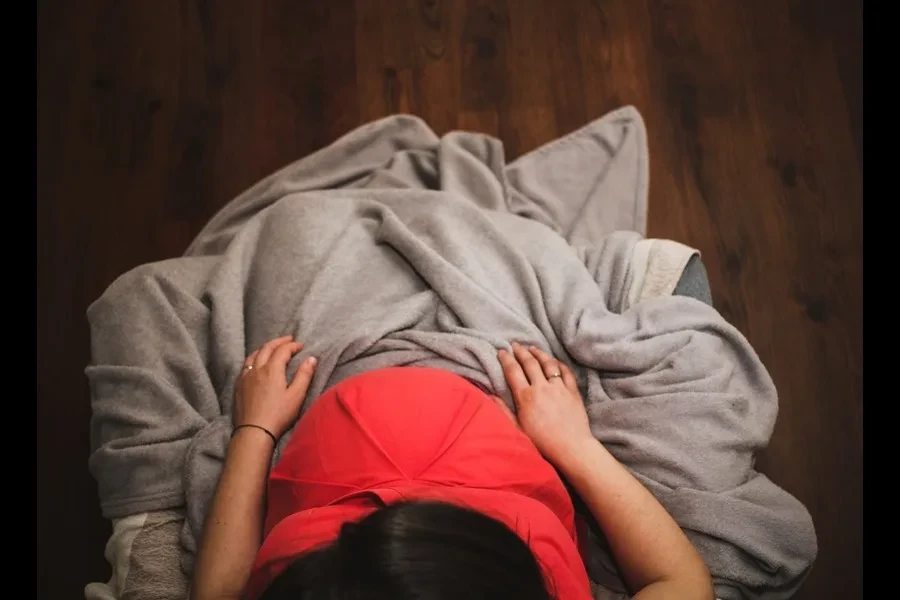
<point>151,115</point>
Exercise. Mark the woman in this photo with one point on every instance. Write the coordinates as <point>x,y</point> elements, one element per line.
<point>414,483</point>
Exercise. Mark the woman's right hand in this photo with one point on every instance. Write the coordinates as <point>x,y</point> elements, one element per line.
<point>548,404</point>
<point>654,556</point>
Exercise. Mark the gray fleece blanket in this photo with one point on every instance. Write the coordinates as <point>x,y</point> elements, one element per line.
<point>394,247</point>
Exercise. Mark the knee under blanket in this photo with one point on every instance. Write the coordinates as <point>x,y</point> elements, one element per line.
<point>393,247</point>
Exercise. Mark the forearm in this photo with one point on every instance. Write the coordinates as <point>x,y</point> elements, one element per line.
<point>233,531</point>
<point>654,555</point>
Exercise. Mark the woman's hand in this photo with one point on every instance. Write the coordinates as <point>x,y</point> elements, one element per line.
<point>652,552</point>
<point>549,405</point>
<point>233,530</point>
<point>263,396</point>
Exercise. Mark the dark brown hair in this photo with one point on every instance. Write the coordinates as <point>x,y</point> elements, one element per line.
<point>416,551</point>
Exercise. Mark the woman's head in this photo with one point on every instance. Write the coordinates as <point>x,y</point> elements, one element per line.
<point>416,550</point>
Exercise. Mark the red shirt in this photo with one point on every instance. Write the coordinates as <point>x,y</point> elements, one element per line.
<point>414,434</point>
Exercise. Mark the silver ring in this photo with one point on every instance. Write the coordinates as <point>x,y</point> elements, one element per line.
<point>554,375</point>
<point>248,368</point>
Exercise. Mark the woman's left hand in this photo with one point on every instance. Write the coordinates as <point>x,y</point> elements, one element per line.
<point>263,396</point>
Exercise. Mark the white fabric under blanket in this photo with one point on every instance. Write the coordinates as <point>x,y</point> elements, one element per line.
<point>394,247</point>
<point>145,556</point>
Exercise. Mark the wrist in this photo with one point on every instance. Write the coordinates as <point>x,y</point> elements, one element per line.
<point>249,431</point>
<point>580,459</point>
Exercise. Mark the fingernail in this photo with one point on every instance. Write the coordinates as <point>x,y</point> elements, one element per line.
<point>515,345</point>
<point>501,351</point>
<point>311,361</point>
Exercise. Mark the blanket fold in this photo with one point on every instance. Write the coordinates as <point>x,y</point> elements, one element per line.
<point>395,247</point>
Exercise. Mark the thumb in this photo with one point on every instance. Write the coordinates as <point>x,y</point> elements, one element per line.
<point>506,411</point>
<point>302,378</point>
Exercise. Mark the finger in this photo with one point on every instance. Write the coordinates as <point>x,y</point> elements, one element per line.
<point>302,378</point>
<point>283,354</point>
<point>265,352</point>
<point>530,365</point>
<point>513,373</point>
<point>549,365</point>
<point>249,361</point>
<point>568,378</point>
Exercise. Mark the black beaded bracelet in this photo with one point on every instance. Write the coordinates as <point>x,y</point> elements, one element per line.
<point>269,433</point>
